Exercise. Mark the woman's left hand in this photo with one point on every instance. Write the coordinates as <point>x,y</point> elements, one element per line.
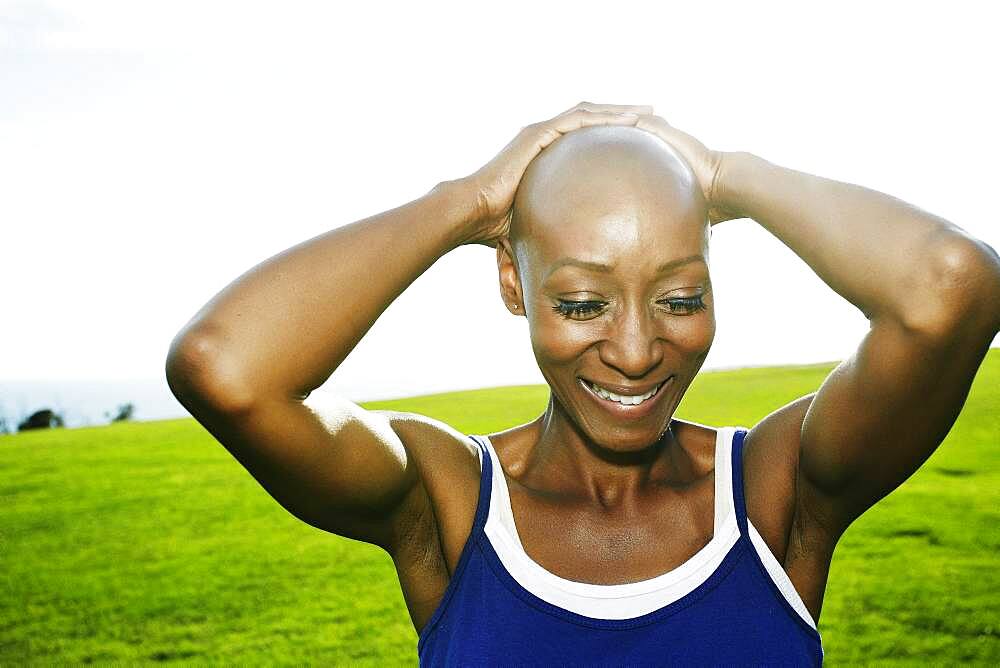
<point>705,163</point>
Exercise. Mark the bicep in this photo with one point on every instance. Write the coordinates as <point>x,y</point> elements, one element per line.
<point>881,413</point>
<point>326,460</point>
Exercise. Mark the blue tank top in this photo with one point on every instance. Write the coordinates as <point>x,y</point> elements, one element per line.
<point>732,602</point>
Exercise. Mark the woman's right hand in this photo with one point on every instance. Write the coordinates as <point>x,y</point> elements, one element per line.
<point>491,189</point>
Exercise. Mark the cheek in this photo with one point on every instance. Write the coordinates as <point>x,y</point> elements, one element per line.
<point>691,335</point>
<point>556,340</point>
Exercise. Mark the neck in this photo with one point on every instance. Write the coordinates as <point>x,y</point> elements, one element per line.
<point>567,459</point>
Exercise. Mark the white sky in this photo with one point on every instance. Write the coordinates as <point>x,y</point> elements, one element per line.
<point>151,153</point>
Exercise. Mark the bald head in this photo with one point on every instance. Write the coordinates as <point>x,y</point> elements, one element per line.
<point>606,184</point>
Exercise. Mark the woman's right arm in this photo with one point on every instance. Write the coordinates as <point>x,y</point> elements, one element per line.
<point>247,361</point>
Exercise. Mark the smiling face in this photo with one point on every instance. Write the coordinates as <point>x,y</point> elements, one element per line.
<point>608,254</point>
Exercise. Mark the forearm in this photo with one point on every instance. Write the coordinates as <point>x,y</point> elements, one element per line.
<point>284,326</point>
<point>887,257</point>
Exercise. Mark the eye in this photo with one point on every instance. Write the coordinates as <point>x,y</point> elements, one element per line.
<point>569,308</point>
<point>676,305</point>
<point>685,305</point>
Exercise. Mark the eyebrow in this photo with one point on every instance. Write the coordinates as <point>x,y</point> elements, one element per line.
<point>607,269</point>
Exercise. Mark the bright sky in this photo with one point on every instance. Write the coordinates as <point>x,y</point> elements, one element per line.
<point>150,153</point>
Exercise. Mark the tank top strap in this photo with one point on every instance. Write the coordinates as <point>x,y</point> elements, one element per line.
<point>739,501</point>
<point>485,484</point>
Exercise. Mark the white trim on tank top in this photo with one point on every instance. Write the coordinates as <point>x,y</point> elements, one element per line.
<point>632,599</point>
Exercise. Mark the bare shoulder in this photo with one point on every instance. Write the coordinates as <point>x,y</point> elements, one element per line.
<point>447,462</point>
<point>431,440</point>
<point>436,519</point>
<point>770,465</point>
<point>777,504</point>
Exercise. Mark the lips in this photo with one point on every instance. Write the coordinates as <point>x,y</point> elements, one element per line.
<point>628,399</point>
<point>630,410</point>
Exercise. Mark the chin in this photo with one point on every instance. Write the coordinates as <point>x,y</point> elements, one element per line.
<point>623,429</point>
<point>607,437</point>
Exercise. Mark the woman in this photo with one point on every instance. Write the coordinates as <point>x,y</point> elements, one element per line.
<point>605,530</point>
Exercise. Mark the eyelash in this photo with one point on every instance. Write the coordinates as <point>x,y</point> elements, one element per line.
<point>568,308</point>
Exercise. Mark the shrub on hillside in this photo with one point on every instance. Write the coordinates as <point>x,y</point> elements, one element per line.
<point>45,418</point>
<point>124,413</point>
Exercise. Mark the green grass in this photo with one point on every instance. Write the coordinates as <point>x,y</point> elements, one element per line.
<point>148,542</point>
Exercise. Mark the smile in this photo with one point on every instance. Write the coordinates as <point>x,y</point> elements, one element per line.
<point>621,404</point>
<point>622,398</point>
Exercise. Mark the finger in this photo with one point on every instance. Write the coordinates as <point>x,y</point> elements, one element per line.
<point>653,118</point>
<point>652,123</point>
<point>619,108</point>
<point>581,118</point>
<point>594,106</point>
<point>535,137</point>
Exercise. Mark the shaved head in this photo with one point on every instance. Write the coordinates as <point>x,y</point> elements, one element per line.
<point>605,182</point>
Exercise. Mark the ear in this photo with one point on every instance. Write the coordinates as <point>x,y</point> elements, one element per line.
<point>510,280</point>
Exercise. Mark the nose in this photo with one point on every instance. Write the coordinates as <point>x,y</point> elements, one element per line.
<point>632,347</point>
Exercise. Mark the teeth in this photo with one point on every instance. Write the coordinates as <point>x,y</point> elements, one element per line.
<point>620,398</point>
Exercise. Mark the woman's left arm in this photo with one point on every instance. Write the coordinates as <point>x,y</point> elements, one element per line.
<point>932,295</point>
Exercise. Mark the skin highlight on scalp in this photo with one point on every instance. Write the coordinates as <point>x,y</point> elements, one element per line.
<point>623,178</point>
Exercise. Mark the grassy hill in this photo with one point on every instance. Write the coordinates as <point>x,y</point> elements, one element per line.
<point>148,542</point>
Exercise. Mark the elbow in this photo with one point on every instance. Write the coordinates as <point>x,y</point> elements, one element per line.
<point>959,290</point>
<point>201,375</point>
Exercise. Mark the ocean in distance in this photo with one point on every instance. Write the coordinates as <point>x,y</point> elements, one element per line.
<point>86,403</point>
